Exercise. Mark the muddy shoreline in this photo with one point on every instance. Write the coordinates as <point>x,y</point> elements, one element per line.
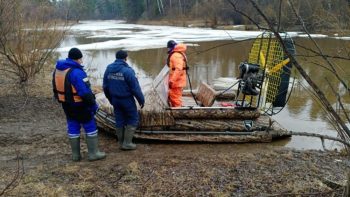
<point>34,146</point>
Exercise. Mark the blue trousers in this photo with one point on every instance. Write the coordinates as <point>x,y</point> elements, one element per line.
<point>125,112</point>
<point>73,128</point>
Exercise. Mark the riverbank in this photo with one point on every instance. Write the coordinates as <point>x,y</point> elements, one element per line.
<point>35,161</point>
<point>199,24</point>
<point>224,26</point>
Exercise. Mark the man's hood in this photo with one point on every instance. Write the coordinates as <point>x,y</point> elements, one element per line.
<point>180,48</point>
<point>118,65</point>
<point>67,63</point>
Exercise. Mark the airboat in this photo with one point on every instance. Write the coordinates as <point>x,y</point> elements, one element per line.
<point>239,113</point>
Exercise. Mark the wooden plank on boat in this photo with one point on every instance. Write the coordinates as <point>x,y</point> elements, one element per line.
<point>161,118</point>
<point>259,136</point>
<point>213,113</point>
<point>206,95</point>
<point>218,125</point>
<point>210,125</point>
<point>275,132</point>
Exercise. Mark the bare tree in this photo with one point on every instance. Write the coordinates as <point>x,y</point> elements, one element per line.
<point>28,38</point>
<point>18,174</point>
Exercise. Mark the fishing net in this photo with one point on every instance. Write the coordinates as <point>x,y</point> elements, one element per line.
<point>154,112</point>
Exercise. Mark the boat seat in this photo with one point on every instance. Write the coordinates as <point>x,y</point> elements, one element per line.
<point>206,95</point>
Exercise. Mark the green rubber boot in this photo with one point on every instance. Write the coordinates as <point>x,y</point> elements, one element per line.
<point>93,152</point>
<point>128,135</point>
<point>120,135</point>
<point>75,145</point>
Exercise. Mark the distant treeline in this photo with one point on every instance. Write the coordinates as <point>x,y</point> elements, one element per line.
<point>316,14</point>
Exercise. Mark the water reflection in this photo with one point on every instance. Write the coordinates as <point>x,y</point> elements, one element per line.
<point>302,112</point>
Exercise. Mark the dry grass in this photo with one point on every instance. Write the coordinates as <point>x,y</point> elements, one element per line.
<point>37,130</point>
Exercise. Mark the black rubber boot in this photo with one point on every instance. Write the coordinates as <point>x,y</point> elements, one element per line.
<point>75,145</point>
<point>93,152</point>
<point>128,135</point>
<point>120,135</point>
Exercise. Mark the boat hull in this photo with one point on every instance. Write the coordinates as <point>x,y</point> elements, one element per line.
<point>264,130</point>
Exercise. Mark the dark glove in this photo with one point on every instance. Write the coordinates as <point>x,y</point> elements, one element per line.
<point>95,108</point>
<point>142,105</point>
<point>88,99</point>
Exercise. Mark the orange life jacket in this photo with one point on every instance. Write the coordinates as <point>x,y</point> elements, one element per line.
<point>177,63</point>
<point>64,91</point>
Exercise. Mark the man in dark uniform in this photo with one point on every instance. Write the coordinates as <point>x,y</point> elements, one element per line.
<point>120,86</point>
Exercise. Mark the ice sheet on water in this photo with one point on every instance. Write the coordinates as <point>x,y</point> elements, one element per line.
<point>135,37</point>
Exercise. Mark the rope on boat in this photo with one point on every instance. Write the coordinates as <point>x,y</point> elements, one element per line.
<point>227,89</point>
<point>189,82</point>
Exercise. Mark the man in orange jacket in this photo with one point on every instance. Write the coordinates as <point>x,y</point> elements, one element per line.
<point>177,62</point>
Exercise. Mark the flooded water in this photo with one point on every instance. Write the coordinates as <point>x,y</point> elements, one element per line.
<point>213,54</point>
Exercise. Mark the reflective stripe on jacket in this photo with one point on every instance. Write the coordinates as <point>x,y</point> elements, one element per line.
<point>65,91</point>
<point>177,63</point>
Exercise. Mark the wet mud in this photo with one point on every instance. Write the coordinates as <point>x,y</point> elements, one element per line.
<point>35,160</point>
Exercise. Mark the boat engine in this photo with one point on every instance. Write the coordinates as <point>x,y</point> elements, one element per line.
<point>264,77</point>
<point>250,78</point>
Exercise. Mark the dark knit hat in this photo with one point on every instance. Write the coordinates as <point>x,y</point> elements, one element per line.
<point>171,44</point>
<point>121,54</point>
<point>74,54</point>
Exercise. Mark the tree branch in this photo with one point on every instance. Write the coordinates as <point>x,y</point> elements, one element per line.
<point>339,101</point>
<point>18,175</point>
<point>233,4</point>
<point>318,47</point>
<point>317,54</point>
<point>327,137</point>
<point>319,92</point>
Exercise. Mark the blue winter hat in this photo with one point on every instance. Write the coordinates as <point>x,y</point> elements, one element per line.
<point>121,54</point>
<point>171,44</point>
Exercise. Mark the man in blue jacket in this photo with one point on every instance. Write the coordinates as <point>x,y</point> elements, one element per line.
<point>71,87</point>
<point>120,86</point>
